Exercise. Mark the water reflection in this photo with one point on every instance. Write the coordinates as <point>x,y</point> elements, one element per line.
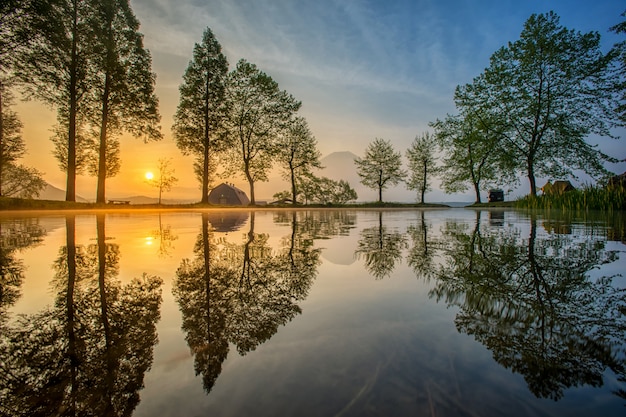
<point>539,297</point>
<point>88,353</point>
<point>15,234</point>
<point>241,293</point>
<point>381,247</point>
<point>531,301</point>
<point>166,238</point>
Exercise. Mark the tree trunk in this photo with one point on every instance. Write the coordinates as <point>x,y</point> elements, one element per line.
<point>477,191</point>
<point>70,190</point>
<point>205,173</point>
<point>102,151</point>
<point>207,144</point>
<point>293,185</point>
<point>1,138</point>
<point>531,179</point>
<point>380,186</point>
<point>251,183</point>
<point>424,183</point>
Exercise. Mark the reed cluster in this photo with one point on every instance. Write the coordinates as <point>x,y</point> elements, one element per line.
<point>588,198</point>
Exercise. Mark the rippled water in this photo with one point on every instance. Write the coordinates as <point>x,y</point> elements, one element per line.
<point>322,313</point>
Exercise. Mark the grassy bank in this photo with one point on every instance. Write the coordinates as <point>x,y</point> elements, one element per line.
<point>590,198</point>
<point>7,204</point>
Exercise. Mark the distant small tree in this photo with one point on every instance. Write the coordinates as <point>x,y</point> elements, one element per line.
<point>381,166</point>
<point>165,179</point>
<point>422,163</point>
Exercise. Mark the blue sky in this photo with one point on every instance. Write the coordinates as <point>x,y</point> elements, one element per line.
<point>362,69</point>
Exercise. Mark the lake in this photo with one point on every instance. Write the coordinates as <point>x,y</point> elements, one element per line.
<point>447,312</point>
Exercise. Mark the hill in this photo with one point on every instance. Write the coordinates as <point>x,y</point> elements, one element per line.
<point>56,194</point>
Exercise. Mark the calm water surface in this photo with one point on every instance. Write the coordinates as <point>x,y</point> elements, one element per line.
<point>323,313</point>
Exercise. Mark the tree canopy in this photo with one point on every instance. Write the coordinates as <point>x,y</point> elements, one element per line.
<point>259,112</point>
<point>422,164</point>
<point>381,166</point>
<point>550,89</point>
<point>201,113</point>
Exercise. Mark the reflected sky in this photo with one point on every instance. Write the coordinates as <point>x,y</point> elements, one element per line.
<point>346,312</point>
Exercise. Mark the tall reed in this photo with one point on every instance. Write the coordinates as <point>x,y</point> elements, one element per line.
<point>588,198</point>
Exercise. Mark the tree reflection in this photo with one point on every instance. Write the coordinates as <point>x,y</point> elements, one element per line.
<point>381,248</point>
<point>99,336</point>
<point>532,303</point>
<point>166,238</point>
<point>240,293</point>
<point>15,234</point>
<point>320,224</point>
<point>421,255</point>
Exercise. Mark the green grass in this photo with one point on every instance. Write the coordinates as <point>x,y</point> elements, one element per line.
<point>7,203</point>
<point>590,198</point>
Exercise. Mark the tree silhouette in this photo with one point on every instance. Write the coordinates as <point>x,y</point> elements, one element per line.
<point>99,334</point>
<point>15,234</point>
<point>240,293</point>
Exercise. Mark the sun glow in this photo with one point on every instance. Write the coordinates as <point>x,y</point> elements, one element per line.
<point>149,175</point>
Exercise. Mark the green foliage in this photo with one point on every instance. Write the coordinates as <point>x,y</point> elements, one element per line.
<point>549,90</point>
<point>422,164</point>
<point>321,190</point>
<point>297,154</point>
<point>259,113</point>
<point>21,182</point>
<point>619,50</point>
<point>202,111</point>
<point>381,167</point>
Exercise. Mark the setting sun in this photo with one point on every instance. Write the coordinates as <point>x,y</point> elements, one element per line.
<point>149,175</point>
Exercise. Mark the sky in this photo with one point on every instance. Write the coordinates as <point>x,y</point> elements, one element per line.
<point>362,70</point>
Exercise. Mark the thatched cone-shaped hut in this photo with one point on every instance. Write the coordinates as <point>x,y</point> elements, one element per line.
<point>228,195</point>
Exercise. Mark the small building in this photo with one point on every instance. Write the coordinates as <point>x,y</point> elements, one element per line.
<point>228,195</point>
<point>557,188</point>
<point>495,194</point>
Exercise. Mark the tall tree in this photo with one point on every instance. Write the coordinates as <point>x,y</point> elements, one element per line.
<point>297,154</point>
<point>18,30</point>
<point>123,84</point>
<point>381,166</point>
<point>54,70</point>
<point>552,88</point>
<point>259,111</point>
<point>422,163</point>
<point>472,154</point>
<point>200,116</point>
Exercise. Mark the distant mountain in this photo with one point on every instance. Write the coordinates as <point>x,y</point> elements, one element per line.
<point>142,199</point>
<point>53,193</point>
